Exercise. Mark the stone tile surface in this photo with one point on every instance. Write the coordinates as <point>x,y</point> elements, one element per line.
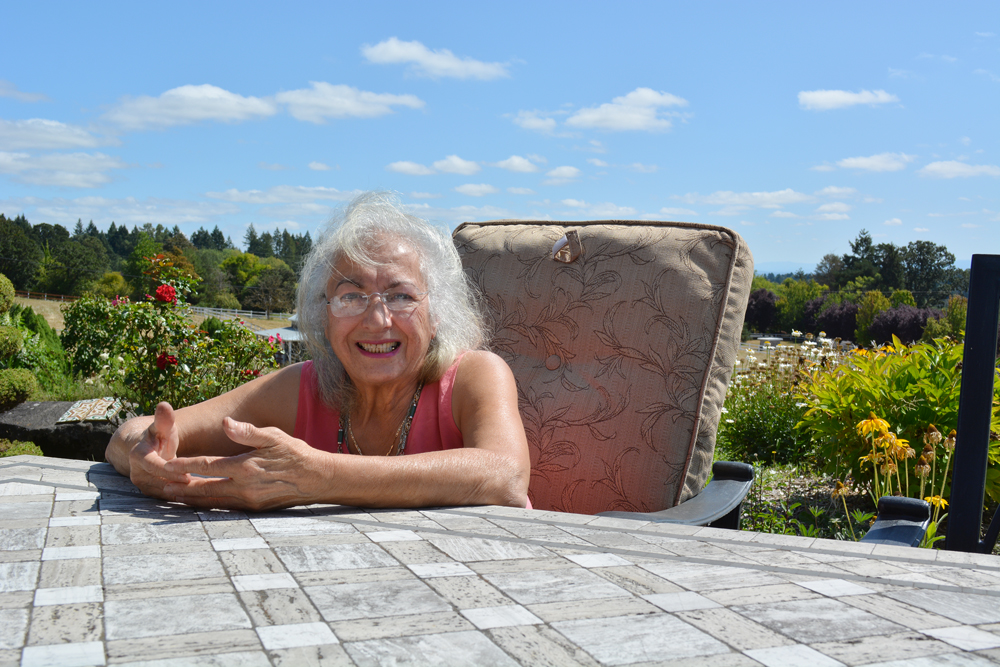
<point>91,572</point>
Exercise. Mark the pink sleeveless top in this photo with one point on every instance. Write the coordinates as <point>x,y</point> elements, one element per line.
<point>433,428</point>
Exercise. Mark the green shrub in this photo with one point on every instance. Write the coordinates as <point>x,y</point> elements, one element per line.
<point>11,343</point>
<point>18,447</point>
<point>152,352</point>
<point>16,385</point>
<point>760,425</point>
<point>870,305</point>
<point>6,294</point>
<point>211,326</point>
<point>902,297</point>
<point>910,387</point>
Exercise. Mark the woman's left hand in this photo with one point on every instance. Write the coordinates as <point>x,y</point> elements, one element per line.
<point>281,471</point>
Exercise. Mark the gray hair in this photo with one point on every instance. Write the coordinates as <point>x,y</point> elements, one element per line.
<point>355,233</point>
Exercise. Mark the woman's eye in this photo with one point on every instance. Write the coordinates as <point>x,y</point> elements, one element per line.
<point>351,297</point>
<point>400,297</point>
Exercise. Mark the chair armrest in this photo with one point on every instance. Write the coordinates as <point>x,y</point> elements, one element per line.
<point>901,522</point>
<point>717,505</point>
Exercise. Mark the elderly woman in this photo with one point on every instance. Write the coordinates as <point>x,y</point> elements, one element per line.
<point>400,406</point>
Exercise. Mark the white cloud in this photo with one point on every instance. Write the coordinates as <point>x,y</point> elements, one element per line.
<point>607,210</point>
<point>985,34</point>
<point>921,229</point>
<point>880,162</point>
<point>440,63</point>
<point>596,162</point>
<point>965,141</point>
<point>824,100</point>
<point>521,191</point>
<point>535,120</point>
<point>835,191</point>
<point>969,225</point>
<point>325,100</point>
<point>456,165</point>
<point>743,200</point>
<point>834,207</point>
<point>783,214</point>
<point>677,211</point>
<point>596,146</point>
<point>893,222</point>
<point>822,167</point>
<point>410,168</point>
<point>561,175</point>
<point>564,172</point>
<point>988,74</point>
<point>537,159</point>
<point>424,195</point>
<point>8,89</point>
<point>45,134</point>
<point>282,194</point>
<point>833,216</point>
<point>188,104</point>
<point>518,164</point>
<point>643,168</point>
<point>70,170</point>
<point>901,73</point>
<point>638,110</point>
<point>271,167</point>
<point>476,189</point>
<point>319,166</point>
<point>953,169</point>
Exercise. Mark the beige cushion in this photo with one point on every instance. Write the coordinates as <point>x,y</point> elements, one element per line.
<point>622,356</point>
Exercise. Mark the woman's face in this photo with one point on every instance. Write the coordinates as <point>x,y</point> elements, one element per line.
<point>381,347</point>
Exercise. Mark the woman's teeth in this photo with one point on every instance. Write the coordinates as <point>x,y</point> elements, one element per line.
<point>380,348</point>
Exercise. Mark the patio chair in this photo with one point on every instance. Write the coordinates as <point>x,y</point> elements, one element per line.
<point>904,521</point>
<point>622,336</point>
<point>975,412</point>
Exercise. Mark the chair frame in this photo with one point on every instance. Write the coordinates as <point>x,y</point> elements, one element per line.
<point>975,411</point>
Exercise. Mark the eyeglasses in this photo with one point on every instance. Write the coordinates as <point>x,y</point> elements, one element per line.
<point>355,303</point>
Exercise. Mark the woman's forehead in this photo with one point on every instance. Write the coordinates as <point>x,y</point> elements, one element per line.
<point>395,261</point>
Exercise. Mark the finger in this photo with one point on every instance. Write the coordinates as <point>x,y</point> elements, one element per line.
<point>150,462</point>
<point>200,487</point>
<point>245,433</point>
<point>207,466</point>
<point>164,429</point>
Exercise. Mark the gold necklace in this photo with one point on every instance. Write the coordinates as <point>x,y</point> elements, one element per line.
<point>402,433</point>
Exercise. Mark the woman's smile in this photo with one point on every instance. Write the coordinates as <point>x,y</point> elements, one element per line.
<point>379,349</point>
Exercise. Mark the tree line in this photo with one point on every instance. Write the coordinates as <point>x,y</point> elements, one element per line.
<point>49,258</point>
<point>867,294</point>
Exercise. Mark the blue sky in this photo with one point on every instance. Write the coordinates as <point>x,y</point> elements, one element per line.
<point>796,124</point>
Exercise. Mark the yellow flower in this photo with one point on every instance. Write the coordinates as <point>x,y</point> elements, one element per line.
<point>839,491</point>
<point>937,501</point>
<point>932,436</point>
<point>872,425</point>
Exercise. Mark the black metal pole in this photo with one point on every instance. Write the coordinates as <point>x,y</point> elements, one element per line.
<point>965,515</point>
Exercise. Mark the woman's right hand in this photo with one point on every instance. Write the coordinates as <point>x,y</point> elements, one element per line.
<point>157,446</point>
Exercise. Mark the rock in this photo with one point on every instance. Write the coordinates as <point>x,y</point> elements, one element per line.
<point>36,422</point>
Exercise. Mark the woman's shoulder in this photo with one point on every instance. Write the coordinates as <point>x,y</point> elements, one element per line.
<point>481,368</point>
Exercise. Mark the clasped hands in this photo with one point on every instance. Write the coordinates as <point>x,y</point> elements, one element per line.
<point>271,475</point>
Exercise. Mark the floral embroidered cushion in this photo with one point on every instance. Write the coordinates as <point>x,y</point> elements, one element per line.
<point>622,336</point>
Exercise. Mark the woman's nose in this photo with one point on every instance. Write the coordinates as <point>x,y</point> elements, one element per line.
<point>377,315</point>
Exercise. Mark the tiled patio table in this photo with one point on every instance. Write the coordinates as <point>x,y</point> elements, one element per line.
<point>92,573</point>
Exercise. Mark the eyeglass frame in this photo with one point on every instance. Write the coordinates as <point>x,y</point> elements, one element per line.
<point>418,297</point>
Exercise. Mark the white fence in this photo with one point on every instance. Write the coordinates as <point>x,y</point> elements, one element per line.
<point>229,313</point>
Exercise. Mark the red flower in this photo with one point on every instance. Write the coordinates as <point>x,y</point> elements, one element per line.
<point>165,360</point>
<point>166,293</point>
